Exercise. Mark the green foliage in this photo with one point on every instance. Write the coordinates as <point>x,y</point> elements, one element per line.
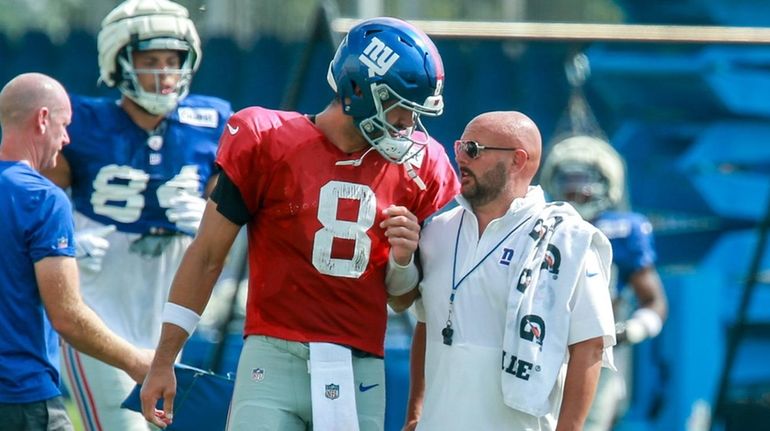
<point>54,17</point>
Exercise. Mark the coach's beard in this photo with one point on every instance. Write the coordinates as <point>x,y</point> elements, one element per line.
<point>481,191</point>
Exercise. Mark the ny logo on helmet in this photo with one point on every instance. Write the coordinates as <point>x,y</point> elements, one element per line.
<point>378,57</point>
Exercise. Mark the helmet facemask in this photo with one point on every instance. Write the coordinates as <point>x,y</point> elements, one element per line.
<point>155,101</point>
<point>394,144</point>
<point>584,187</point>
<point>148,25</point>
<point>587,172</point>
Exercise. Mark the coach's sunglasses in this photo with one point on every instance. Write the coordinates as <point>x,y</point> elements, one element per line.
<point>473,148</point>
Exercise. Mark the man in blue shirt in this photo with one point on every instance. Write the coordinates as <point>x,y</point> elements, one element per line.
<point>39,293</point>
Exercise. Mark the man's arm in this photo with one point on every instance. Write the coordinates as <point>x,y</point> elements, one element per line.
<point>649,290</point>
<point>416,378</point>
<point>583,368</point>
<point>57,279</point>
<point>212,182</point>
<point>402,302</point>
<point>647,320</point>
<point>191,289</point>
<point>403,232</point>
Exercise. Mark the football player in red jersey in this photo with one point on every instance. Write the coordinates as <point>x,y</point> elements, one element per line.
<point>333,204</point>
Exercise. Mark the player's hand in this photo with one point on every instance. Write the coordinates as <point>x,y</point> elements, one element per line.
<point>186,212</point>
<point>160,384</point>
<point>90,247</point>
<point>620,334</point>
<point>403,232</point>
<point>644,323</point>
<point>629,332</point>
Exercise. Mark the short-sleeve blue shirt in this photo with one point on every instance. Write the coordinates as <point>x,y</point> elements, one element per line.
<point>35,223</point>
<point>633,245</point>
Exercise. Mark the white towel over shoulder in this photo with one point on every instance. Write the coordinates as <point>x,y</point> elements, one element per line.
<point>537,317</point>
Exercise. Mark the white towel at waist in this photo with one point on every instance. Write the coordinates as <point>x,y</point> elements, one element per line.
<point>333,394</point>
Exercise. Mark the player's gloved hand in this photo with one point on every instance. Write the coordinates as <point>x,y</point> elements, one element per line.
<point>621,333</point>
<point>90,247</point>
<point>643,324</point>
<point>186,211</point>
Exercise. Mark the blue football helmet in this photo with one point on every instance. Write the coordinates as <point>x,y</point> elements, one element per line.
<point>382,64</point>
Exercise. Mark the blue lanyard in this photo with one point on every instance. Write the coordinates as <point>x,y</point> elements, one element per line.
<point>448,331</point>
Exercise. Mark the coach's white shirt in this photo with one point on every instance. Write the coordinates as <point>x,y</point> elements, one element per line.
<point>463,389</point>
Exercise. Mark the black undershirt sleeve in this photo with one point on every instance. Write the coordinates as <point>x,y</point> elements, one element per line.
<point>229,200</point>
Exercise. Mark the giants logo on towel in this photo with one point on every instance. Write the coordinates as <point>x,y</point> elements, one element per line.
<point>552,260</point>
<point>532,328</point>
<point>517,367</point>
<point>332,391</point>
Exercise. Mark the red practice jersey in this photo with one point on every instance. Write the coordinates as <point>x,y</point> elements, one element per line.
<point>317,256</point>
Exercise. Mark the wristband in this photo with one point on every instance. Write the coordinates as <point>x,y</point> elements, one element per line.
<point>180,316</point>
<point>401,279</point>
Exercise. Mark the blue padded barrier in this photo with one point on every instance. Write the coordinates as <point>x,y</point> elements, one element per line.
<point>672,82</point>
<point>698,12</point>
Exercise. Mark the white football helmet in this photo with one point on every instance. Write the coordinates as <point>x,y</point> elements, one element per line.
<point>586,172</point>
<point>142,25</point>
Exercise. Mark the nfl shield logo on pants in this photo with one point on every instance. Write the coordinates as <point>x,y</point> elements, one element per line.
<point>257,374</point>
<point>332,391</point>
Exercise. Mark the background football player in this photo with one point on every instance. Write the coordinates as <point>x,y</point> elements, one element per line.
<point>331,202</point>
<point>138,169</point>
<point>590,174</point>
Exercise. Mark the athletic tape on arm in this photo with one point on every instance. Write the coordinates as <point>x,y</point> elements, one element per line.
<point>401,279</point>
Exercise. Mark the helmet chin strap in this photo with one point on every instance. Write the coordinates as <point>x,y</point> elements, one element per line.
<point>590,210</point>
<point>155,108</point>
<point>409,168</point>
<point>354,162</point>
<point>416,178</point>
